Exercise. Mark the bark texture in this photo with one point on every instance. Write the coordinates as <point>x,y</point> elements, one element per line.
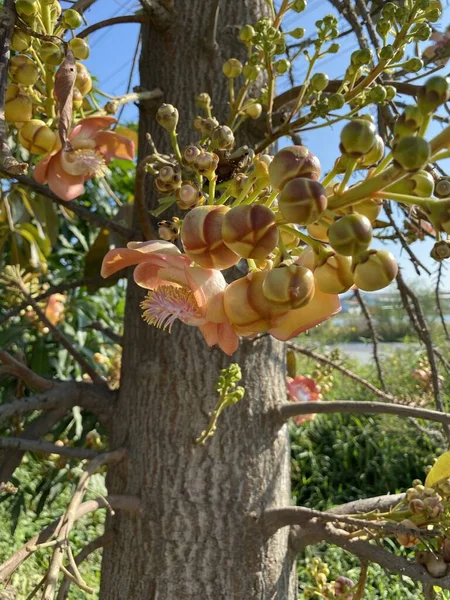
<point>196,537</point>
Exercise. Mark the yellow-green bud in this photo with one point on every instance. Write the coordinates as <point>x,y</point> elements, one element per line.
<point>358,137</point>
<point>203,100</point>
<point>222,138</point>
<point>387,52</point>
<point>336,101</point>
<point>411,153</point>
<point>246,33</point>
<point>409,121</point>
<point>319,82</point>
<point>370,208</point>
<point>20,41</point>
<point>289,286</point>
<point>413,65</point>
<point>206,163</point>
<point>375,155</point>
<point>383,27</point>
<point>72,19</point>
<point>38,138</point>
<point>333,274</point>
<point>377,94</point>
<point>298,33</point>
<point>350,235</point>
<point>51,54</point>
<point>79,48</point>
<point>299,5</point>
<point>253,110</point>
<point>420,184</point>
<point>23,70</point>
<point>18,106</point>
<point>390,92</point>
<point>374,270</point>
<point>302,201</point>
<point>232,68</point>
<point>27,8</point>
<point>77,99</point>
<point>435,92</point>
<point>251,72</point>
<point>167,117</point>
<point>83,81</point>
<point>282,66</point>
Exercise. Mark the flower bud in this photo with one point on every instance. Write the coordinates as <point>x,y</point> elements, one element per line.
<point>342,585</point>
<point>413,65</point>
<point>51,54</point>
<point>79,48</point>
<point>439,214</point>
<point>201,236</point>
<point>222,138</point>
<point>440,251</point>
<point>208,126</point>
<point>168,179</point>
<point>77,99</point>
<point>336,101</point>
<point>253,110</point>
<point>318,231</point>
<point>289,286</point>
<point>370,208</point>
<point>232,68</point>
<point>83,81</point>
<point>169,230</point>
<point>432,507</point>
<point>298,33</point>
<point>416,506</point>
<point>190,155</point>
<point>298,6</point>
<point>27,8</point>
<point>250,231</point>
<point>319,81</point>
<point>167,117</point>
<point>375,155</point>
<point>206,164</point>
<point>407,539</point>
<point>20,41</point>
<point>358,137</point>
<point>281,66</point>
<point>302,201</point>
<point>434,564</point>
<point>420,184</point>
<point>292,162</point>
<point>411,153</point>
<point>374,270</point>
<point>189,195</point>
<point>442,188</point>
<point>246,33</point>
<point>38,138</point>
<point>350,235</point>
<point>23,70</point>
<point>251,72</point>
<point>18,106</point>
<point>383,27</point>
<point>203,100</point>
<point>333,274</point>
<point>435,92</point>
<point>71,19</point>
<point>387,52</point>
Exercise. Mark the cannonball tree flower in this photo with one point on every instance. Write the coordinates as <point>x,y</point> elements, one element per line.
<point>92,148</point>
<point>178,290</point>
<point>303,389</point>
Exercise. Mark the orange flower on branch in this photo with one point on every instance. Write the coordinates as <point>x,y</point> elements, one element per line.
<point>92,148</point>
<point>303,389</point>
<point>178,290</point>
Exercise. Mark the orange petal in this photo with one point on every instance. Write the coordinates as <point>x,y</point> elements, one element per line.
<point>65,186</point>
<point>322,307</point>
<point>88,127</point>
<point>227,339</point>
<point>209,332</point>
<point>112,145</point>
<point>119,258</point>
<point>160,246</point>
<point>208,285</point>
<point>41,168</point>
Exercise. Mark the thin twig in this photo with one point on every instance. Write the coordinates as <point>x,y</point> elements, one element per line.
<point>113,21</point>
<point>115,337</point>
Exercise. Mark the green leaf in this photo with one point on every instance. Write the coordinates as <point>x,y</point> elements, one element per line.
<point>440,470</point>
<point>164,204</point>
<point>94,259</point>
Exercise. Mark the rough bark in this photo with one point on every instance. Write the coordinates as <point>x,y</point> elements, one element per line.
<point>196,537</point>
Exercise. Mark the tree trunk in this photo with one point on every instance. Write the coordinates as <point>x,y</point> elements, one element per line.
<point>196,537</point>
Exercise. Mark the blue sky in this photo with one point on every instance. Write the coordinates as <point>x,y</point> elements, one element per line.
<point>112,51</point>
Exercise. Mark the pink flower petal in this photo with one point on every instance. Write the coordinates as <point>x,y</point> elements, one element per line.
<point>160,246</point>
<point>65,186</point>
<point>227,339</point>
<point>113,145</point>
<point>88,127</point>
<point>41,169</point>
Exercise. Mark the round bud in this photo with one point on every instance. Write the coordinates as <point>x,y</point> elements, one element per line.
<point>416,506</point>
<point>408,122</point>
<point>246,33</point>
<point>302,201</point>
<point>189,195</point>
<point>207,126</point>
<point>333,274</point>
<point>27,8</point>
<point>413,65</point>
<point>370,208</point>
<point>407,539</point>
<point>206,164</point>
<point>281,66</point>
<point>297,33</point>
<point>377,94</point>
<point>435,92</point>
<point>374,270</point>
<point>201,236</point>
<point>18,106</point>
<point>411,153</point>
<point>440,251</point>
<point>433,563</point>
<point>203,100</point>
<point>375,155</point>
<point>169,230</point>
<point>439,214</point>
<point>167,117</point>
<point>222,138</point>
<point>298,6</point>
<point>390,92</point>
<point>37,137</point>
<point>71,19</point>
<point>51,54</point>
<point>20,41</point>
<point>23,70</point>
<point>232,68</point>
<point>250,231</point>
<point>79,48</point>
<point>342,585</point>
<point>433,15</point>
<point>358,137</point>
<point>292,162</point>
<point>253,110</point>
<point>319,81</point>
<point>289,286</point>
<point>333,48</point>
<point>336,101</point>
<point>83,81</point>
<point>77,99</point>
<point>383,27</point>
<point>387,52</point>
<point>251,72</point>
<point>422,32</point>
<point>442,187</point>
<point>190,155</point>
<point>420,184</point>
<point>350,235</point>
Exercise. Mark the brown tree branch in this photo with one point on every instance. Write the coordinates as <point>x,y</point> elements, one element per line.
<point>113,21</point>
<point>7,21</point>
<point>15,443</point>
<point>82,212</point>
<point>128,503</point>
<point>367,505</point>
<point>160,13</point>
<point>20,370</point>
<point>82,5</point>
<point>293,409</point>
<point>107,331</point>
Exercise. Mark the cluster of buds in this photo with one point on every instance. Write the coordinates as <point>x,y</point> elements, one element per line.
<point>53,309</point>
<point>342,587</point>
<point>110,363</point>
<point>424,502</point>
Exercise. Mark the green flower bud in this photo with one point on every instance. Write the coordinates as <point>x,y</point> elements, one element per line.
<point>383,27</point>
<point>78,99</point>
<point>374,270</point>
<point>292,162</point>
<point>23,70</point>
<point>433,15</point>
<point>167,117</point>
<point>246,33</point>
<point>27,8</point>
<point>71,19</point>
<point>442,187</point>
<point>422,32</point>
<point>20,41</point>
<point>253,110</point>
<point>251,72</point>
<point>439,214</point>
<point>413,65</point>
<point>232,68</point>
<point>18,106</point>
<point>370,208</point>
<point>390,92</point>
<point>207,126</point>
<point>319,82</point>
<point>409,122</point>
<point>336,101</point>
<point>387,52</point>
<point>377,94</point>
<point>282,66</point>
<point>222,138</point>
<point>375,154</point>
<point>203,100</point>
<point>299,5</point>
<point>440,251</point>
<point>362,57</point>
<point>280,48</point>
<point>333,49</point>
<point>435,92</point>
<point>388,11</point>
<point>51,54</point>
<point>350,235</point>
<point>420,184</point>
<point>411,153</point>
<point>289,286</point>
<point>358,137</point>
<point>79,48</point>
<point>297,33</point>
<point>302,201</point>
<point>401,15</point>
